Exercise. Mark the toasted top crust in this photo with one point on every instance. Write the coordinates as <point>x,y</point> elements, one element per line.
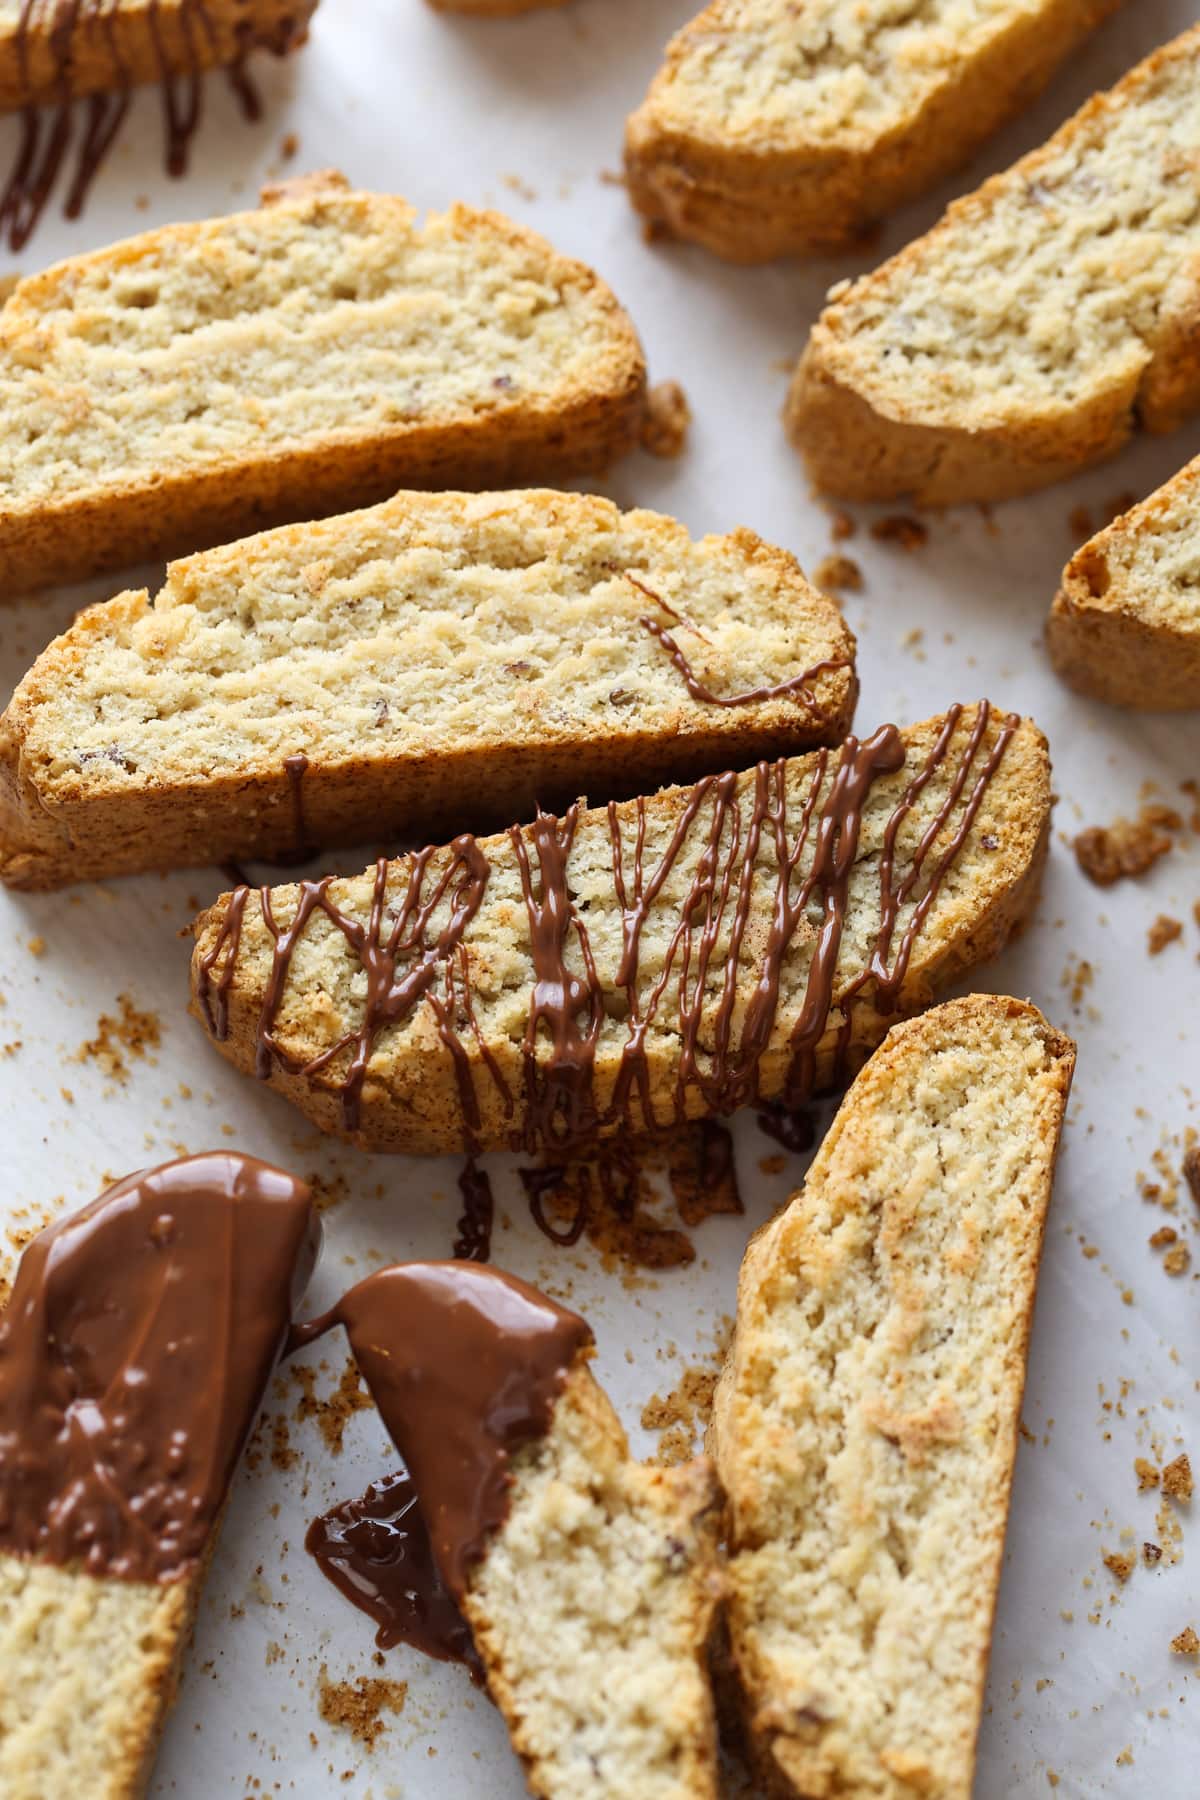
<point>866,1418</point>
<point>591,1610</point>
<point>1060,288</point>
<point>483,1035</point>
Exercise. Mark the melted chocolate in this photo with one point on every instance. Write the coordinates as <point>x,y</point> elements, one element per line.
<point>474,1240</point>
<point>800,685</point>
<point>729,822</point>
<point>301,849</point>
<point>133,1357</point>
<point>795,1129</point>
<point>376,1551</point>
<point>465,1365</point>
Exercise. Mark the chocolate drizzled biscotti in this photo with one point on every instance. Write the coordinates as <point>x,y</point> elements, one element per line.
<point>866,1420</point>
<point>588,1580</point>
<point>437,662</point>
<point>134,1353</point>
<point>627,968</point>
<point>1125,624</point>
<point>1047,316</point>
<point>204,380</point>
<point>774,129</point>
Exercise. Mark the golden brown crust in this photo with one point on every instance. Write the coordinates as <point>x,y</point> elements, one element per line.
<point>751,197</point>
<point>199,497</point>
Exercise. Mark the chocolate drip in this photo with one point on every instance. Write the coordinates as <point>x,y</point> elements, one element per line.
<point>376,1551</point>
<point>465,1365</point>
<point>133,1357</point>
<point>474,1240</point>
<point>794,1128</point>
<point>800,685</point>
<point>715,954</point>
<point>296,768</point>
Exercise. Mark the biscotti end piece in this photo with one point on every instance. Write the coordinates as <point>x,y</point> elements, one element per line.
<point>204,380</point>
<point>665,978</point>
<point>438,662</point>
<point>591,1612</point>
<point>1125,624</point>
<point>866,1419</point>
<point>773,131</point>
<point>1002,351</point>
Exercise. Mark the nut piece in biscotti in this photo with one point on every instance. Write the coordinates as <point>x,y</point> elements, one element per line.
<point>440,661</point>
<point>1125,624</point>
<point>774,129</point>
<point>628,967</point>
<point>204,380</point>
<point>1030,332</point>
<point>134,1353</point>
<point>865,1422</point>
<point>125,43</point>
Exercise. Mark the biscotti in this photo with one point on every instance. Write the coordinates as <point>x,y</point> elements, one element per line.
<point>204,380</point>
<point>134,1353</point>
<point>865,1423</point>
<point>627,968</point>
<point>125,43</point>
<point>441,661</point>
<point>1045,317</point>
<point>774,129</point>
<point>588,1580</point>
<point>1125,624</point>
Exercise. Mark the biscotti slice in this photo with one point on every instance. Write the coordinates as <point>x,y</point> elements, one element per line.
<point>775,129</point>
<point>588,1580</point>
<point>439,661</point>
<point>626,968</point>
<point>1125,624</point>
<point>1031,331</point>
<point>866,1419</point>
<point>203,380</point>
<point>134,1353</point>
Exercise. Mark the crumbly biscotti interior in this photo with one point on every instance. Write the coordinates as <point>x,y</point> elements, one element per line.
<point>591,1611</point>
<point>89,1671</point>
<point>424,628</point>
<point>1046,287</point>
<point>327,317</point>
<point>866,1419</point>
<point>1148,560</point>
<point>484,984</point>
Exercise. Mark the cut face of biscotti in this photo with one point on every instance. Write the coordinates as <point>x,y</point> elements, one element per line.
<point>775,129</point>
<point>439,661</point>
<point>626,968</point>
<point>203,380</point>
<point>1125,624</point>
<point>1026,336</point>
<point>134,1353</point>
<point>865,1422</point>
<point>588,1580</point>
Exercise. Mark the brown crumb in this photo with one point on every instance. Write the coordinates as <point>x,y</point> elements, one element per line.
<point>1187,1643</point>
<point>1178,1261</point>
<point>289,146</point>
<point>1164,931</point>
<point>357,1705</point>
<point>1147,1474</point>
<point>1162,1237</point>
<point>1120,1563</point>
<point>898,528</point>
<point>1177,1481</point>
<point>1125,1759</point>
<point>841,526</point>
<point>37,946</point>
<point>1116,852</point>
<point>1191,1172</point>
<point>1151,1554</point>
<point>133,1032</point>
<point>681,1415</point>
<point>332,1414</point>
<point>773,1165</point>
<point>839,575</point>
<point>1079,523</point>
<point>666,421</point>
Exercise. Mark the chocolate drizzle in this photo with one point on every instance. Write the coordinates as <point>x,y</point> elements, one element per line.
<point>465,1365</point>
<point>296,768</point>
<point>376,1551</point>
<point>710,949</point>
<point>474,1240</point>
<point>133,1357</point>
<point>800,685</point>
<point>47,130</point>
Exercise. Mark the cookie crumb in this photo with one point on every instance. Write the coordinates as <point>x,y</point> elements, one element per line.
<point>1164,931</point>
<point>1151,1554</point>
<point>1187,1643</point>
<point>132,1032</point>
<point>1119,1563</point>
<point>841,525</point>
<point>1178,1261</point>
<point>668,416</point>
<point>1117,852</point>
<point>1177,1479</point>
<point>289,146</point>
<point>1162,1237</point>
<point>357,1705</point>
<point>841,574</point>
<point>1147,1474</point>
<point>1191,1171</point>
<point>1125,1759</point>
<point>37,946</point>
<point>899,528</point>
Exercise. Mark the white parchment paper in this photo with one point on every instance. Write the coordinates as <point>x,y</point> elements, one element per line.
<point>1085,1696</point>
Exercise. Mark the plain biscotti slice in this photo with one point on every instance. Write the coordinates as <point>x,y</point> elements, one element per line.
<point>865,1422</point>
<point>1125,624</point>
<point>630,967</point>
<point>775,129</point>
<point>203,380</point>
<point>438,661</point>
<point>134,1352</point>
<point>1046,317</point>
<point>124,43</point>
